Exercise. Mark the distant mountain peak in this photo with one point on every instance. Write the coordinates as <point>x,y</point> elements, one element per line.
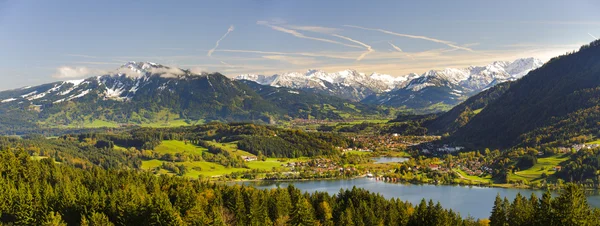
<point>354,85</point>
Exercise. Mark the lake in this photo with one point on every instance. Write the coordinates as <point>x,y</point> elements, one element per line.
<point>389,159</point>
<point>474,201</point>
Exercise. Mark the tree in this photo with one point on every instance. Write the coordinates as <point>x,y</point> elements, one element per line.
<point>54,219</point>
<point>545,214</point>
<point>96,219</point>
<point>571,207</point>
<point>325,214</point>
<point>303,213</point>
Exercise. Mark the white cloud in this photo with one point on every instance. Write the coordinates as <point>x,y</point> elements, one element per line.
<point>293,60</point>
<point>210,52</point>
<point>67,72</point>
<point>592,35</point>
<point>167,72</point>
<point>368,47</point>
<point>336,55</point>
<point>300,35</point>
<point>448,43</point>
<point>317,29</point>
<point>198,70</point>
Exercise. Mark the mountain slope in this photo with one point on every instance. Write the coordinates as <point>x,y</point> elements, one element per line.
<point>553,104</point>
<point>451,86</point>
<point>460,115</point>
<point>305,104</point>
<point>142,93</point>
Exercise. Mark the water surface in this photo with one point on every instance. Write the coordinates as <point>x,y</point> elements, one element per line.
<point>474,201</point>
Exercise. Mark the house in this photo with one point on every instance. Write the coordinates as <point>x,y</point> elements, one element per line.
<point>557,168</point>
<point>249,158</point>
<point>434,167</point>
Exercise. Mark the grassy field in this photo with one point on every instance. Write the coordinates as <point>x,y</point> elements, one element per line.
<point>544,165</point>
<point>357,153</point>
<point>197,168</point>
<point>194,168</point>
<point>101,123</point>
<point>484,180</point>
<point>268,164</point>
<point>176,146</point>
<point>231,148</point>
<point>477,110</point>
<point>594,142</point>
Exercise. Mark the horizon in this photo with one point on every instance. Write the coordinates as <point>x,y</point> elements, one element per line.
<point>57,41</point>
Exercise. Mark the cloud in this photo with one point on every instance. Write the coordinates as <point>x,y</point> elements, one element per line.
<point>300,35</point>
<point>395,47</point>
<point>167,72</point>
<point>67,72</point>
<point>448,43</point>
<point>369,49</point>
<point>317,29</point>
<point>592,35</point>
<point>336,55</point>
<point>293,60</point>
<point>197,70</point>
<point>210,52</point>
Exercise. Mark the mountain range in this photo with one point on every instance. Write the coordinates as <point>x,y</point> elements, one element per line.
<point>556,105</point>
<point>149,93</point>
<point>446,87</point>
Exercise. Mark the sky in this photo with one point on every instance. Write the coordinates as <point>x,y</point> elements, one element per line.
<point>46,41</point>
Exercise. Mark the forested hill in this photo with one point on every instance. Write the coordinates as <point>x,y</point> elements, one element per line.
<point>555,103</point>
<point>460,115</point>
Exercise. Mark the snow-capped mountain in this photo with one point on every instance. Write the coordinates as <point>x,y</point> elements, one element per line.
<point>457,83</point>
<point>120,84</point>
<point>144,92</point>
<point>348,84</point>
<point>449,87</point>
<point>477,77</point>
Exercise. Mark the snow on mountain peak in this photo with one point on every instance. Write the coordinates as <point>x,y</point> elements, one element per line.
<point>471,78</point>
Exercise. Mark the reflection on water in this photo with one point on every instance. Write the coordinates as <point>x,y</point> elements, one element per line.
<point>474,201</point>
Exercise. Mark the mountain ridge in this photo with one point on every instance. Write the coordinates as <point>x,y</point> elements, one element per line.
<point>146,93</point>
<point>397,91</point>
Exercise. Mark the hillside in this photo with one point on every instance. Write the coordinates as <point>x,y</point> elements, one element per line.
<point>141,93</point>
<point>460,115</point>
<point>554,104</point>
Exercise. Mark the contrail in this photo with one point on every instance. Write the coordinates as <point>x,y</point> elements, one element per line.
<point>300,35</point>
<point>395,47</point>
<point>369,49</point>
<point>448,43</point>
<point>592,35</point>
<point>210,52</point>
<point>400,50</point>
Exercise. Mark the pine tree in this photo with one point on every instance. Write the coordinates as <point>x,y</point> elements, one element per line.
<point>54,219</point>
<point>325,213</point>
<point>498,217</point>
<point>545,213</point>
<point>571,207</point>
<point>303,213</point>
<point>517,214</point>
<point>97,219</point>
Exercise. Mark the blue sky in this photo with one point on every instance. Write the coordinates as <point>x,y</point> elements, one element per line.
<point>44,41</point>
